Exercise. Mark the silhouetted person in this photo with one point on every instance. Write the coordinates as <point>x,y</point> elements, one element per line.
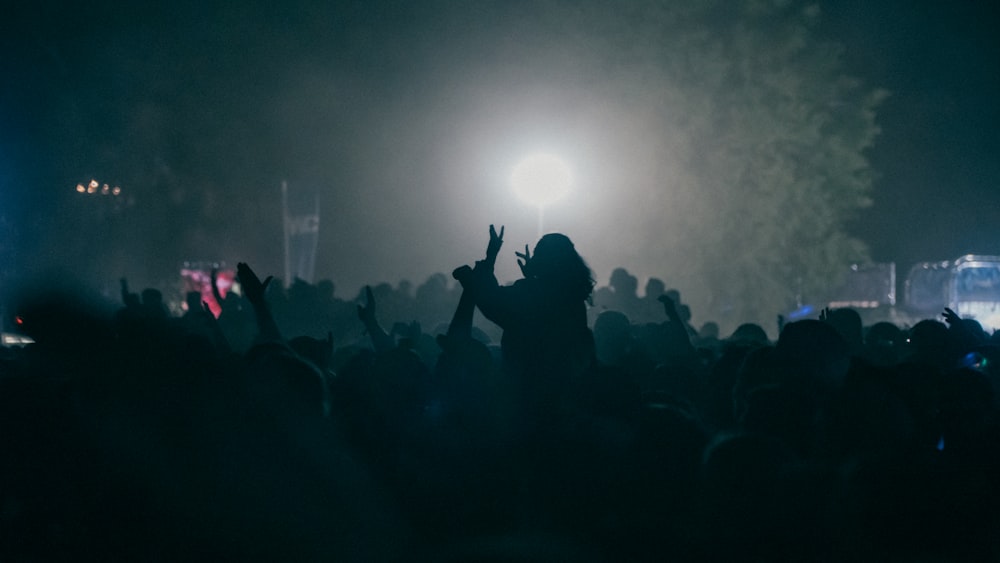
<point>543,315</point>
<point>928,344</point>
<point>620,294</point>
<point>381,340</point>
<point>883,342</point>
<point>236,318</point>
<point>153,305</point>
<point>750,334</point>
<point>651,311</point>
<point>847,323</point>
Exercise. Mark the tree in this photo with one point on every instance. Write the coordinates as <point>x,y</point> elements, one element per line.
<point>760,151</point>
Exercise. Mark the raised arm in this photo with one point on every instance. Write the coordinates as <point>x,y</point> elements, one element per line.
<point>254,290</point>
<point>479,285</point>
<point>963,334</point>
<point>681,337</point>
<point>129,299</point>
<point>220,337</point>
<point>381,340</point>
<point>460,327</point>
<point>493,247</point>
<point>215,286</point>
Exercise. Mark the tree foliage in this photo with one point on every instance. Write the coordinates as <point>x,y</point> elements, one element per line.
<point>762,148</point>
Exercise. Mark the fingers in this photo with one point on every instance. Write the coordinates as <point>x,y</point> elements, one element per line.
<point>461,273</point>
<point>247,276</point>
<point>244,272</point>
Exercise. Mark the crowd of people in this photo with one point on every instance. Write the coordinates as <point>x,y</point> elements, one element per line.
<point>573,424</point>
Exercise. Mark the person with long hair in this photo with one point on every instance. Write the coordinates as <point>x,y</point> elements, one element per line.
<point>544,314</point>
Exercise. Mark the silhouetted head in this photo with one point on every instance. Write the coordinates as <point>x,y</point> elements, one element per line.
<point>152,302</point>
<point>710,330</point>
<point>975,330</point>
<point>750,333</point>
<point>847,323</point>
<point>612,336</point>
<point>814,350</point>
<point>654,288</point>
<point>884,343</point>
<point>623,282</point>
<point>884,333</point>
<point>928,342</point>
<point>326,289</point>
<point>152,296</point>
<point>555,261</point>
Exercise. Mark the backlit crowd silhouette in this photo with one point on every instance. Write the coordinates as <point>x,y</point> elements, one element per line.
<point>569,423</point>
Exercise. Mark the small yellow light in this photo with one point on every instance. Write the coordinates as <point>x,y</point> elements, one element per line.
<point>91,189</point>
<point>116,190</point>
<point>80,188</point>
<point>105,190</point>
<point>93,184</point>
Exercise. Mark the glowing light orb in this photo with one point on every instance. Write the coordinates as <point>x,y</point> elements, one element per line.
<point>541,179</point>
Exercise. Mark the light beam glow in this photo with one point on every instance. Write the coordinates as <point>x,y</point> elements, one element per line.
<point>541,179</point>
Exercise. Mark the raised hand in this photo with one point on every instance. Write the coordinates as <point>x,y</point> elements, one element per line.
<point>128,298</point>
<point>220,338</point>
<point>679,340</point>
<point>463,274</point>
<point>493,248</point>
<point>523,260</point>
<point>215,286</point>
<point>669,307</point>
<point>951,317</point>
<point>367,312</point>
<point>381,340</point>
<point>253,288</point>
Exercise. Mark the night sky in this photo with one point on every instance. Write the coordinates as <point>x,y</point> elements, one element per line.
<point>407,117</point>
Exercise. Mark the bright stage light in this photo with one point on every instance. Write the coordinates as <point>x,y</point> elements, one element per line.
<point>541,179</point>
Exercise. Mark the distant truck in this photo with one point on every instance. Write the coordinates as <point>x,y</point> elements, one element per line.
<point>969,285</point>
